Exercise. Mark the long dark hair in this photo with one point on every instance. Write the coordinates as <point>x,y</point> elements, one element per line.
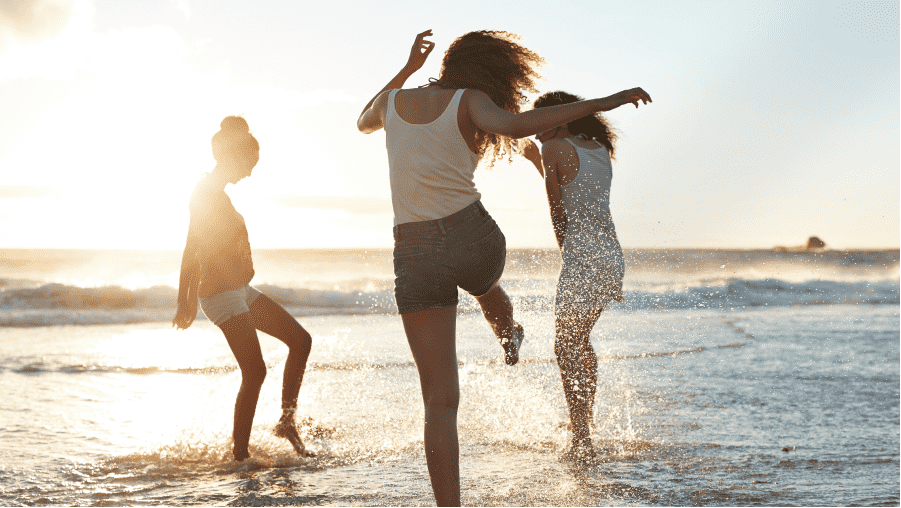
<point>592,126</point>
<point>493,62</point>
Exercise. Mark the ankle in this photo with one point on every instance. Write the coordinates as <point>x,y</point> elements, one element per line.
<point>507,330</point>
<point>241,454</point>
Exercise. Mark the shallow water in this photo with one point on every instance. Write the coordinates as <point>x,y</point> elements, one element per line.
<point>786,406</point>
<point>726,378</point>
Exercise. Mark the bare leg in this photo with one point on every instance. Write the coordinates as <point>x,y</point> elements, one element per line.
<point>242,339</point>
<point>497,308</point>
<point>498,311</point>
<point>432,337</point>
<point>270,318</point>
<point>578,368</point>
<point>590,364</point>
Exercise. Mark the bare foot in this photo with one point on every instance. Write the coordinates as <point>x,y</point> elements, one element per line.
<point>581,450</point>
<point>511,340</point>
<point>288,430</point>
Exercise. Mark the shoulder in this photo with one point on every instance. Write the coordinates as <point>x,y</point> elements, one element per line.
<point>382,99</point>
<point>555,149</point>
<point>204,194</point>
<point>474,94</point>
<point>380,103</point>
<point>475,97</point>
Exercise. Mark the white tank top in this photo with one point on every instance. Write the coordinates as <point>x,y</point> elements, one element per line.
<point>430,166</point>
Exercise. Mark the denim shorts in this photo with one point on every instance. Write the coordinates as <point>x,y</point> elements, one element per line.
<point>432,258</point>
<point>223,306</point>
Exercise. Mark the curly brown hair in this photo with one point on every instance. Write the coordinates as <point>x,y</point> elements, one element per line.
<point>493,62</point>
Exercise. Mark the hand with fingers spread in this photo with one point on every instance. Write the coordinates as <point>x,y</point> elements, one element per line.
<point>419,52</point>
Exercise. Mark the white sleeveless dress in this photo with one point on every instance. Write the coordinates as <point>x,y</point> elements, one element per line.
<point>593,265</point>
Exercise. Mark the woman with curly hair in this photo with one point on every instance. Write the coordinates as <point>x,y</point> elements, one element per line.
<point>443,237</point>
<point>216,270</point>
<point>575,162</point>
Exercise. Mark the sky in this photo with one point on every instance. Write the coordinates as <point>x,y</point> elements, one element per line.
<point>771,121</point>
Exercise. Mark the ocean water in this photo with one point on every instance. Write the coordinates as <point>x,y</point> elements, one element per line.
<point>726,378</point>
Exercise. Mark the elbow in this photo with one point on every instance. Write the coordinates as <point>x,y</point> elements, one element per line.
<point>366,128</point>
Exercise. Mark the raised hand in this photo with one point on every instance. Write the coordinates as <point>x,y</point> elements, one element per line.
<point>420,51</point>
<point>633,96</point>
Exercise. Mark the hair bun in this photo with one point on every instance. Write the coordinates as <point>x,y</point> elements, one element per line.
<point>234,124</point>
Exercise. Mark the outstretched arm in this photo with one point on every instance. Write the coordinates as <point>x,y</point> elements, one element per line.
<point>373,116</point>
<point>489,117</point>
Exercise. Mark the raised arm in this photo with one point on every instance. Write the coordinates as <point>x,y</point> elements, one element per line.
<point>489,117</point>
<point>373,116</point>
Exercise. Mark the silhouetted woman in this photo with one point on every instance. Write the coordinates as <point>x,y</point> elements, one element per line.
<point>217,268</point>
<point>575,162</point>
<point>443,237</point>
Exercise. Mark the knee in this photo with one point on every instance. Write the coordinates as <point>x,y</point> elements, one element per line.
<point>254,376</point>
<point>564,348</point>
<point>304,338</point>
<point>300,340</point>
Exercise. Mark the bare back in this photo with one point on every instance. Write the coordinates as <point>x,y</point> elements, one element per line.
<point>425,105</point>
<point>568,169</point>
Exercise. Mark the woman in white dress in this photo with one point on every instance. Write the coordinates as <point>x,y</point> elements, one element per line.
<point>575,162</point>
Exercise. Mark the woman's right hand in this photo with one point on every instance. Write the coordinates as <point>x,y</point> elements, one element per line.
<point>185,315</point>
<point>419,52</point>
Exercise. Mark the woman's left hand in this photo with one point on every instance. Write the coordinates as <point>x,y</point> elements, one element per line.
<point>531,151</point>
<point>532,154</point>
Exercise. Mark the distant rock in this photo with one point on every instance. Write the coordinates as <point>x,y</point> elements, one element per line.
<point>813,243</point>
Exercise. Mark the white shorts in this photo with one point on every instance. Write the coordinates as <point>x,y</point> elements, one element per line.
<point>221,307</point>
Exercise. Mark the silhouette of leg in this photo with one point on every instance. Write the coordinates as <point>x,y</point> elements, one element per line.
<point>270,318</point>
<point>432,337</point>
<point>242,339</point>
<point>574,381</point>
<point>578,368</point>
<point>590,362</point>
<point>498,311</point>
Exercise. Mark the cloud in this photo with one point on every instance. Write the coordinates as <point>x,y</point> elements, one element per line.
<point>352,204</point>
<point>33,20</point>
<point>129,52</point>
<point>183,6</point>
